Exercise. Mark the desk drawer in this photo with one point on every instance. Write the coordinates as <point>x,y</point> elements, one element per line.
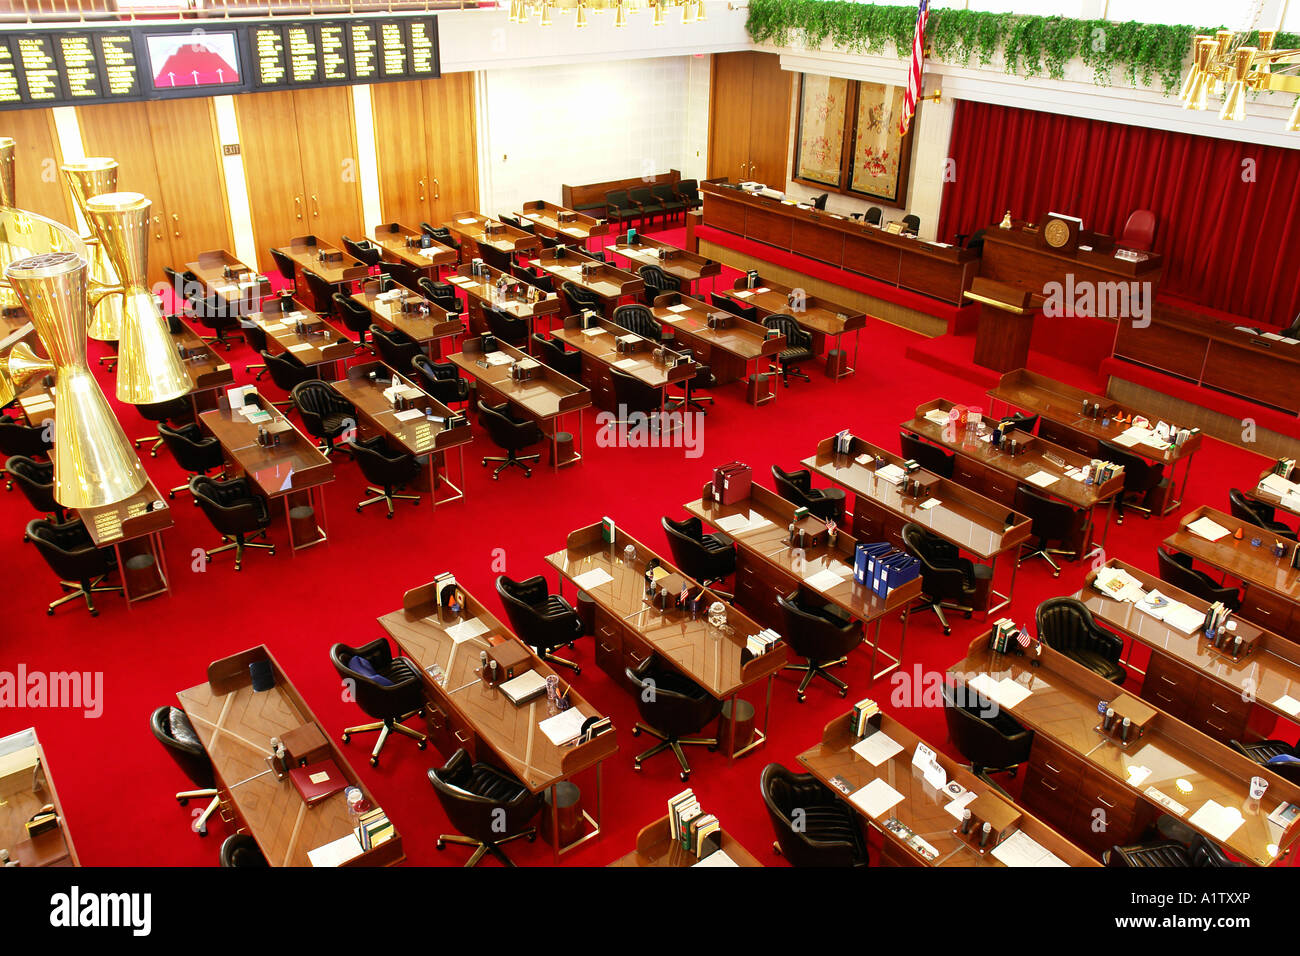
<point>1267,610</point>
<point>1054,763</point>
<point>969,473</point>
<point>1170,685</point>
<point>1219,712</point>
<point>1048,798</point>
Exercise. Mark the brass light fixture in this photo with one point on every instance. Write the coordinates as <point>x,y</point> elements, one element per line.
<point>1224,65</point>
<point>149,369</point>
<point>94,463</point>
<point>582,14</point>
<point>86,178</point>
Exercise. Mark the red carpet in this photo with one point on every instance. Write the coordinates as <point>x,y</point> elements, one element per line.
<point>116,782</point>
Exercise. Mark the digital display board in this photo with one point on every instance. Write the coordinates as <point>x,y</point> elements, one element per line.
<point>92,64</point>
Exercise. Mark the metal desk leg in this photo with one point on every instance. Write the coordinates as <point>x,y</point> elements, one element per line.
<point>555,820</point>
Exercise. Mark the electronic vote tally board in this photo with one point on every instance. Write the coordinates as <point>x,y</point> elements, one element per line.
<point>111,62</point>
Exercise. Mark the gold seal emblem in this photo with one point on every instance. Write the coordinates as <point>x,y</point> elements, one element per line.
<point>1057,233</point>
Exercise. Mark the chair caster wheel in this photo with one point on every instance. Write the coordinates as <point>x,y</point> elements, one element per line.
<point>967,615</point>
<point>50,611</point>
<point>389,517</point>
<point>844,692</point>
<point>422,744</point>
<point>171,494</point>
<point>1012,771</point>
<point>94,614</point>
<point>203,832</point>
<point>577,671</point>
<point>374,761</point>
<point>182,800</point>
<point>484,462</point>
<point>800,698</point>
<point>685,775</point>
<point>947,631</point>
<point>440,845</point>
<point>636,731</point>
<point>347,737</point>
<point>1056,574</point>
<point>636,767</point>
<point>532,838</point>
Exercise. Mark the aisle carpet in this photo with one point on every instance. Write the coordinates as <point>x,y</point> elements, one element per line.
<point>116,783</point>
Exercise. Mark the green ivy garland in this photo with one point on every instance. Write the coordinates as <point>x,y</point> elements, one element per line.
<point>1030,45</point>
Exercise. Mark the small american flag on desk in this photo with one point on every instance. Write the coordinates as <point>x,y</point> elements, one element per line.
<point>1023,638</point>
<point>914,74</point>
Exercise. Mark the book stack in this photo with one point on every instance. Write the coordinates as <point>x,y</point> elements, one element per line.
<point>761,642</point>
<point>696,831</point>
<point>374,828</point>
<point>863,711</point>
<point>1216,617</point>
<point>1003,632</point>
<point>1284,467</point>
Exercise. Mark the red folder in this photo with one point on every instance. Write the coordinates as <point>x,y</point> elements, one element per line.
<point>315,792</point>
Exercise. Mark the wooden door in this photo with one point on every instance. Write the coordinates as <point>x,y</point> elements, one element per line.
<point>402,148</point>
<point>187,154</point>
<point>327,154</point>
<point>769,121</point>
<point>453,154</point>
<point>729,107</point>
<point>37,180</point>
<point>268,141</point>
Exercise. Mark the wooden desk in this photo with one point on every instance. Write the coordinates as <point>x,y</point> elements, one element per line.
<point>598,346</point>
<point>419,436</point>
<point>1187,678</point>
<point>1272,499</point>
<point>333,265</point>
<point>1059,404</point>
<point>940,271</point>
<point>482,231</point>
<point>292,473</point>
<point>995,474</point>
<point>403,244</point>
<point>656,847</point>
<point>727,351</point>
<point>25,787</point>
<point>133,528</point>
<point>411,313</point>
<point>978,525</point>
<point>557,222</point>
<point>319,342</point>
<point>628,629</point>
<point>689,268</point>
<point>1074,771</point>
<point>481,292</point>
<point>235,725</point>
<point>207,370</point>
<point>224,275</point>
<point>767,567</point>
<point>923,808</point>
<point>823,318</point>
<point>611,285</point>
<point>546,397</point>
<point>1272,587</point>
<point>464,711</point>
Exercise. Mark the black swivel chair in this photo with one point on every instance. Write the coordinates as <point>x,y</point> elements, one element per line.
<point>657,281</point>
<point>440,293</point>
<point>386,470</point>
<point>441,380</point>
<point>708,558</point>
<point>322,293</point>
<point>1141,478</point>
<point>240,849</point>
<point>819,202</point>
<point>488,807</point>
<point>197,453</point>
<point>948,581</point>
<point>827,831</point>
<point>255,336</point>
<point>354,316</point>
<point>553,354</point>
<point>819,635</point>
<point>506,327</point>
<point>543,621</point>
<point>1278,756</point>
<point>35,479</point>
<point>796,487</point>
<point>727,304</point>
<point>579,300</point>
<point>666,195</point>
<point>363,251</point>
<point>325,413</point>
<point>498,259</point>
<point>235,511</point>
<point>511,434</point>
<point>1157,854</point>
<point>1050,522</point>
<point>287,372</point>
<point>690,396</point>
<point>672,707</point>
<point>930,457</point>
<point>633,396</point>
<point>213,312</point>
<point>285,266</point>
<point>388,688</point>
<point>1066,625</point>
<point>441,235</point>
<point>71,554</point>
<point>874,215</point>
<point>1258,514</point>
<point>798,347</point>
<point>1176,568</point>
<point>644,199</point>
<point>18,438</point>
<point>912,224</point>
<point>1017,421</point>
<point>169,411</point>
<point>638,319</point>
<point>174,731</point>
<point>989,738</point>
<point>395,347</point>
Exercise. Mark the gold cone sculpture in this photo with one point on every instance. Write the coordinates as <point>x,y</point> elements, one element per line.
<point>149,368</point>
<point>8,300</point>
<point>87,178</point>
<point>94,464</point>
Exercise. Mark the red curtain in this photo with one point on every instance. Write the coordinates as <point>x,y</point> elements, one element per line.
<point>1228,229</point>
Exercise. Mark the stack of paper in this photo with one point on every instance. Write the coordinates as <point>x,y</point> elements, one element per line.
<point>592,579</point>
<point>1119,584</point>
<point>1019,849</point>
<point>564,727</point>
<point>937,415</point>
<point>1006,693</point>
<point>717,858</point>
<point>891,473</point>
<point>1042,479</point>
<point>1207,529</point>
<point>1184,618</point>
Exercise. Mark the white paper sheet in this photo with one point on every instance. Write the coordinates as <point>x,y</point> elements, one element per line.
<point>1208,529</point>
<point>876,798</point>
<point>877,748</point>
<point>823,580</point>
<point>1219,821</point>
<point>593,579</point>
<point>1042,479</point>
<point>466,630</point>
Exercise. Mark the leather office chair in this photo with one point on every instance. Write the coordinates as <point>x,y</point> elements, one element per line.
<point>543,621</point>
<point>363,251</point>
<point>387,688</point>
<point>798,347</point>
<point>930,457</point>
<point>597,254</point>
<point>688,191</point>
<point>287,372</point>
<point>638,319</point>
<point>708,558</point>
<point>990,739</point>
<point>672,707</point>
<point>1257,513</point>
<point>172,728</point>
<point>579,300</point>
<point>690,396</point>
<point>1139,230</point>
<point>441,235</point>
<point>70,552</point>
<point>511,434</point>
<point>911,224</point>
<point>727,304</point>
<point>552,353</point>
<point>35,479</point>
<point>488,807</point>
<point>644,200</point>
<point>529,275</point>
<point>255,336</point>
<point>506,327</point>
<point>441,380</point>
<point>1293,330</point>
<point>796,487</point>
<point>1278,756</point>
<point>523,224</point>
<point>396,349</point>
<point>827,833</point>
<point>240,849</point>
<point>820,636</point>
<point>1066,625</point>
<point>632,396</point>
<point>386,470</point>
<point>212,312</point>
<point>439,293</point>
<point>354,316</point>
<point>322,293</point>
<point>175,409</point>
<point>1020,422</point>
<point>948,581</point>
<point>1169,853</point>
<point>874,215</point>
<point>285,266</point>
<point>666,195</point>
<point>498,259</point>
<point>1176,568</point>
<point>17,438</point>
<point>657,282</point>
<point>619,208</point>
<point>195,452</point>
<point>1050,522</point>
<point>235,511</point>
<point>325,413</point>
<point>819,202</point>
<point>1141,478</point>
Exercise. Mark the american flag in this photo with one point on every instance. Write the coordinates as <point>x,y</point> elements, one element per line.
<point>1023,638</point>
<point>914,75</point>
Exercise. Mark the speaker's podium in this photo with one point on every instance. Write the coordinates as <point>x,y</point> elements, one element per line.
<point>1006,324</point>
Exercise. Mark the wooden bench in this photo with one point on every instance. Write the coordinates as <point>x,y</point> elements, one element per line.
<point>591,196</point>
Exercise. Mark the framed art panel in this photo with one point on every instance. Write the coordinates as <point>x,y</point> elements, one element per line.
<point>824,109</point>
<point>880,154</point>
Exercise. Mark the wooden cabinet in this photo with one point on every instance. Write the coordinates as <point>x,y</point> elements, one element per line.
<point>448,732</point>
<point>1196,699</point>
<point>749,118</point>
<point>618,647</point>
<point>1269,611</point>
<point>37,180</point>
<point>757,588</point>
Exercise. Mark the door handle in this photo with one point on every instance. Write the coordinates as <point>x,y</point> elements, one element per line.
<point>437,189</point>
<point>157,221</point>
<point>176,220</point>
<point>421,182</point>
<point>315,207</point>
<point>297,201</point>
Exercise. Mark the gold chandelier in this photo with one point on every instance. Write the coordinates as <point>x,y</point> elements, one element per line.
<point>1223,66</point>
<point>521,11</point>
